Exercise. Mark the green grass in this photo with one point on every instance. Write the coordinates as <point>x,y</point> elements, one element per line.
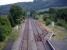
<point>59,33</point>
<point>13,36</point>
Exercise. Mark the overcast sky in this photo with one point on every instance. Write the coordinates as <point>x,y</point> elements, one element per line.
<point>3,2</point>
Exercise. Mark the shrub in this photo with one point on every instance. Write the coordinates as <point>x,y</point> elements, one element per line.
<point>5,27</point>
<point>44,18</point>
<point>62,23</point>
<point>59,24</point>
<point>48,21</point>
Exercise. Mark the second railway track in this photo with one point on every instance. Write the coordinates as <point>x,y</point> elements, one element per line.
<point>41,44</point>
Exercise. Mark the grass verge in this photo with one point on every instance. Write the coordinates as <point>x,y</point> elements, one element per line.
<point>13,35</point>
<point>59,32</point>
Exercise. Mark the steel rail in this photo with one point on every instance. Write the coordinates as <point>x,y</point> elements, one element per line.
<point>25,36</point>
<point>34,24</point>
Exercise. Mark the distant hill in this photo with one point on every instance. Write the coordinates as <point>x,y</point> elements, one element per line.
<point>4,9</point>
<point>36,5</point>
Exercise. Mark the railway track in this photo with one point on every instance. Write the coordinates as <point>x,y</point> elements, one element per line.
<point>30,38</point>
<point>40,42</point>
<point>24,41</point>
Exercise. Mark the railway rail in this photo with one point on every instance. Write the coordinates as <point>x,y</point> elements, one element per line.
<point>41,43</point>
<point>24,41</point>
<point>31,37</point>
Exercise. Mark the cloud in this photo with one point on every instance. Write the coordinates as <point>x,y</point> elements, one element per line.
<point>3,2</point>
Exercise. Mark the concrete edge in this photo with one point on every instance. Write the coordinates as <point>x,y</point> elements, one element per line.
<point>52,47</point>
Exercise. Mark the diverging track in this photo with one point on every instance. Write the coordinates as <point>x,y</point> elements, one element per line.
<point>40,42</point>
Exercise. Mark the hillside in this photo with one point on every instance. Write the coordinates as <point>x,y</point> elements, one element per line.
<point>36,5</point>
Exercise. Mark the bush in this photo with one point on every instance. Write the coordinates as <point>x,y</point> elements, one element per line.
<point>59,23</point>
<point>2,37</point>
<point>62,23</point>
<point>5,27</point>
<point>44,18</point>
<point>48,21</point>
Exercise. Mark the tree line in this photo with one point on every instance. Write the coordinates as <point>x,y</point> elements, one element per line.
<point>15,16</point>
<point>58,15</point>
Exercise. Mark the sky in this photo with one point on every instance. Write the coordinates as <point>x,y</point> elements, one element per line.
<point>4,2</point>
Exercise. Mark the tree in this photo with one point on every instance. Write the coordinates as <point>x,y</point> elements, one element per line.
<point>15,14</point>
<point>52,13</point>
<point>34,14</point>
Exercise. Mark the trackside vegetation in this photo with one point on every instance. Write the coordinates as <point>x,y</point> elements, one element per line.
<point>8,22</point>
<point>5,28</point>
<point>16,14</point>
<point>58,15</point>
